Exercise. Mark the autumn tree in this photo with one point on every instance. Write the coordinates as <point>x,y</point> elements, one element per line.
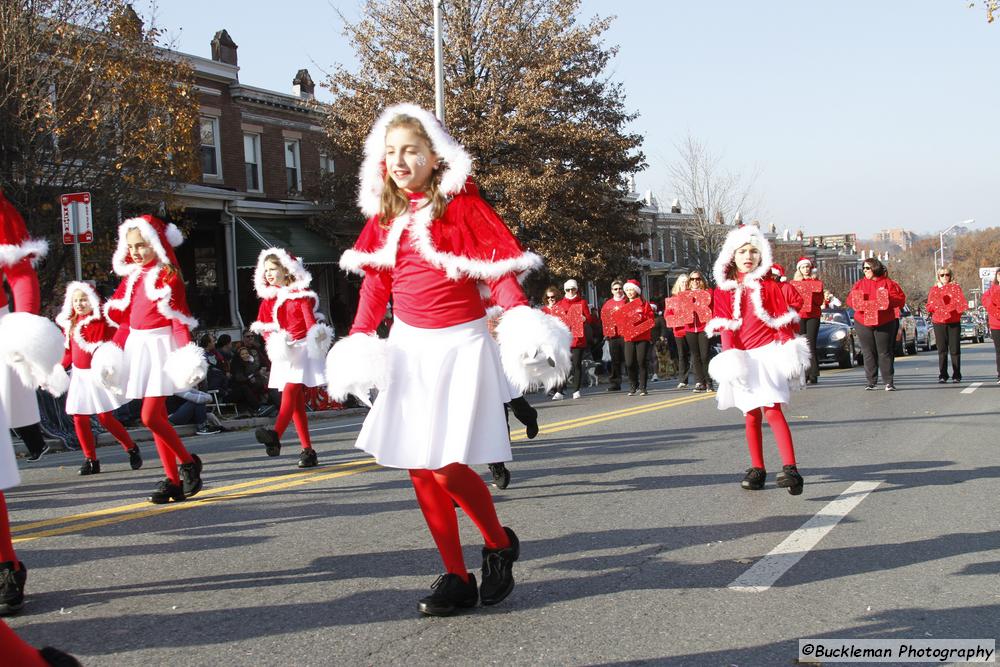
<point>88,101</point>
<point>527,94</point>
<point>713,194</point>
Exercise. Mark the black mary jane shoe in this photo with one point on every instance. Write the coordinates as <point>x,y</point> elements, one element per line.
<point>754,479</point>
<point>497,572</point>
<point>789,478</point>
<point>450,595</point>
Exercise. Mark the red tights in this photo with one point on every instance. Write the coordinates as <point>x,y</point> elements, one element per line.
<point>16,651</point>
<point>168,444</point>
<point>293,408</point>
<point>436,489</point>
<point>81,423</point>
<point>7,554</point>
<point>776,420</point>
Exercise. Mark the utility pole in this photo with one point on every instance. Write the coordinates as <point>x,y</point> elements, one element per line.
<point>438,64</point>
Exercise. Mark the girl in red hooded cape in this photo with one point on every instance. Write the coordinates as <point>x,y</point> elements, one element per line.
<point>429,244</point>
<point>151,356</point>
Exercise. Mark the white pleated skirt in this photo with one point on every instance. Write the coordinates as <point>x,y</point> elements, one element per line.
<point>88,396</point>
<point>9,476</point>
<point>146,352</point>
<point>20,404</point>
<point>443,402</point>
<point>766,386</point>
<point>299,368</point>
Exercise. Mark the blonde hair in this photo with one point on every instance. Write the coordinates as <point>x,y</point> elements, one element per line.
<point>395,202</point>
<point>680,284</point>
<point>798,275</point>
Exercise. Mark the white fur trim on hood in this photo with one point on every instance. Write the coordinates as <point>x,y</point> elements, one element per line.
<point>120,260</point>
<point>534,348</point>
<point>734,241</point>
<point>64,318</point>
<point>12,254</point>
<point>459,164</point>
<point>292,265</point>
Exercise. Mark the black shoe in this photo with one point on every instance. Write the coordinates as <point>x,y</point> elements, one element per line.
<point>34,456</point>
<point>207,429</point>
<point>135,458</point>
<point>12,587</point>
<point>498,578</point>
<point>56,658</point>
<point>269,438</point>
<point>90,467</point>
<point>501,476</point>
<point>942,380</point>
<point>699,388</point>
<point>191,476</point>
<point>789,478</point>
<point>166,491</point>
<point>615,388</point>
<point>450,594</point>
<point>870,387</point>
<point>525,413</point>
<point>754,479</point>
<point>308,458</point>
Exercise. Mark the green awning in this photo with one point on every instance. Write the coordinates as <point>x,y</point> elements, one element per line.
<point>256,234</point>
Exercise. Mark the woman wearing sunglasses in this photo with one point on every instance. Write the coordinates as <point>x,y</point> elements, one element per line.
<point>697,340</point>
<point>946,303</point>
<point>876,328</point>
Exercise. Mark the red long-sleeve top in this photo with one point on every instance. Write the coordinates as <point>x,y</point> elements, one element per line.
<point>897,299</point>
<point>93,333</point>
<point>23,283</point>
<point>945,316</point>
<point>565,304</point>
<point>295,315</point>
<point>992,298</point>
<point>752,332</point>
<point>144,313</point>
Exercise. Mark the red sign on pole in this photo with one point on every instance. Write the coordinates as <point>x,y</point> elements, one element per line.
<point>76,218</point>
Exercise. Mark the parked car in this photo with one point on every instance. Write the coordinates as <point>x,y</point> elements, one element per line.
<point>926,339</point>
<point>906,336</point>
<point>836,341</point>
<point>971,330</point>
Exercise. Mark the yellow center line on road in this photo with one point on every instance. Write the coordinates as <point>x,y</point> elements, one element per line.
<point>112,515</point>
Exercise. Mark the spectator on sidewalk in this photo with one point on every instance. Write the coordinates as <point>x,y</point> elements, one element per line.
<point>190,407</point>
<point>248,383</point>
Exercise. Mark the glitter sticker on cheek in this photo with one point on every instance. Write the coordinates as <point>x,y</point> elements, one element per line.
<point>421,160</point>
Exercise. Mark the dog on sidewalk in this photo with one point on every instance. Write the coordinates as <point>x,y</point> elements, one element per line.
<point>590,372</point>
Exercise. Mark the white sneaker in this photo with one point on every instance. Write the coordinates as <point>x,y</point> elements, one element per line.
<point>576,394</point>
<point>654,378</point>
<point>557,396</point>
<point>681,385</point>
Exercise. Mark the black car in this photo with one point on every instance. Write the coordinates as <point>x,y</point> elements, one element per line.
<point>836,341</point>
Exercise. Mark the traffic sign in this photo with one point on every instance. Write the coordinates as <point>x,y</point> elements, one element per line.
<point>77,222</point>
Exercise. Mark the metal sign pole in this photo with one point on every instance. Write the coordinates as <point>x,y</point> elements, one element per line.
<point>75,223</point>
<point>438,64</point>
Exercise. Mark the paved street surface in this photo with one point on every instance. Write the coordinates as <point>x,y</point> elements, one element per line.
<point>638,544</point>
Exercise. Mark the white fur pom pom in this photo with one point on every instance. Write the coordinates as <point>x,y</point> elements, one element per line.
<point>174,235</point>
<point>109,363</point>
<point>318,340</point>
<point>57,382</point>
<point>729,367</point>
<point>186,366</point>
<point>355,365</point>
<point>277,346</point>
<point>534,348</point>
<point>31,345</point>
<point>794,359</point>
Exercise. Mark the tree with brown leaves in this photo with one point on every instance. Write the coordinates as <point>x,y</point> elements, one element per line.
<point>88,101</point>
<point>527,94</point>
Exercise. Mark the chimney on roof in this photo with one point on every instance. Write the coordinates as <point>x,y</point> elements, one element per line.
<point>675,206</point>
<point>302,85</point>
<point>224,48</point>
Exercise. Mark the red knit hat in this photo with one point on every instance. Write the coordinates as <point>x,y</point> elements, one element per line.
<point>162,237</point>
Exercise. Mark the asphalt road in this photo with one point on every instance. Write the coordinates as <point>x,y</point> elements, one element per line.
<point>638,544</point>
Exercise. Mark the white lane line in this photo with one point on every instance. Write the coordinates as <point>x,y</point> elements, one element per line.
<point>327,428</point>
<point>972,387</point>
<point>769,569</point>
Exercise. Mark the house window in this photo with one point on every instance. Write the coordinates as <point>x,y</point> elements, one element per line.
<point>293,166</point>
<point>251,160</point>
<point>326,165</point>
<point>210,158</point>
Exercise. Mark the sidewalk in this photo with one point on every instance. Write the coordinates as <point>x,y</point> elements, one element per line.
<point>142,434</point>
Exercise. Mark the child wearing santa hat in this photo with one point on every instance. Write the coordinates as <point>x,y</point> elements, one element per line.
<point>151,356</point>
<point>761,358</point>
<point>431,242</point>
<point>635,318</point>
<point>297,341</point>
<point>85,329</point>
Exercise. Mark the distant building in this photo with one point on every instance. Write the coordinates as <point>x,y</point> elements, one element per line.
<point>902,238</point>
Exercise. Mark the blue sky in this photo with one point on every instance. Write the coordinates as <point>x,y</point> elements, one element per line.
<point>858,115</point>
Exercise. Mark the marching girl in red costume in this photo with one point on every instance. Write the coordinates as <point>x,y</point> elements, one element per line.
<point>991,302</point>
<point>637,312</point>
<point>85,330</point>
<point>761,359</point>
<point>151,354</point>
<point>946,303</point>
<point>430,242</point>
<point>296,340</point>
<point>810,312</point>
